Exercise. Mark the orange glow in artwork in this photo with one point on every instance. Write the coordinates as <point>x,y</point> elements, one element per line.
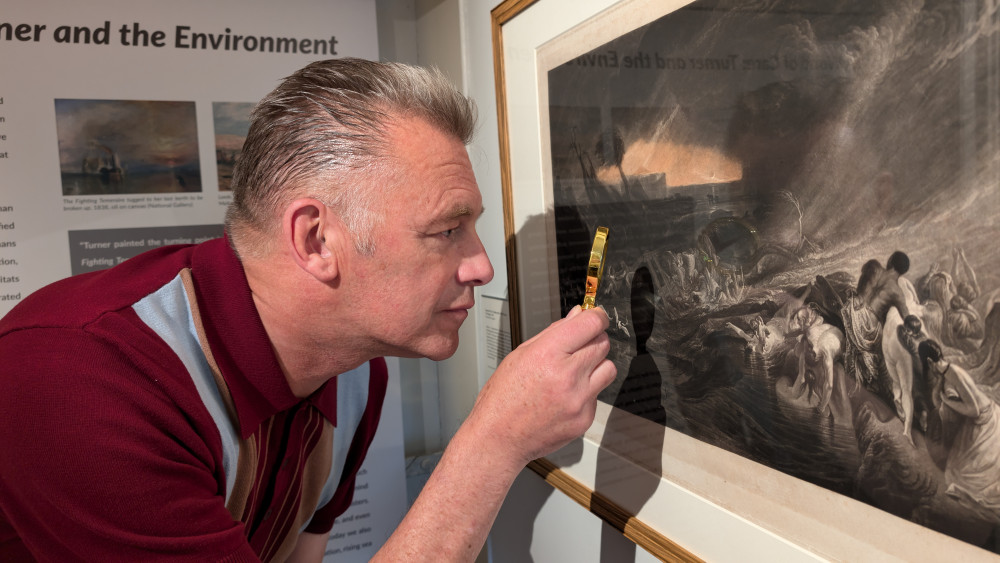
<point>684,165</point>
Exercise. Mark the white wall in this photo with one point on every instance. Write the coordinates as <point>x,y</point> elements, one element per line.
<point>437,396</point>
<point>536,523</point>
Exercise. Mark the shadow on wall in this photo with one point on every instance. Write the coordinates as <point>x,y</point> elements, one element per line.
<point>530,502</point>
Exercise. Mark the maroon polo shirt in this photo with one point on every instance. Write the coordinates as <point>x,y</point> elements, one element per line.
<point>145,417</point>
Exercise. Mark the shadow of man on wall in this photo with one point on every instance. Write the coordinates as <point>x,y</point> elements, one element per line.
<point>628,439</point>
<point>640,391</point>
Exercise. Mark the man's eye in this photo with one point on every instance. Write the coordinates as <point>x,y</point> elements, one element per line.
<point>448,233</point>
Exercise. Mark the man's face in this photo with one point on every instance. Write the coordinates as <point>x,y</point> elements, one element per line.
<point>415,290</point>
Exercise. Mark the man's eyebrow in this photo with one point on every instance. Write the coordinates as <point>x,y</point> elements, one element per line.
<point>462,211</point>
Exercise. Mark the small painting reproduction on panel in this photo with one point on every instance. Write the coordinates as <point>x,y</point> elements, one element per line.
<point>232,123</point>
<point>127,147</point>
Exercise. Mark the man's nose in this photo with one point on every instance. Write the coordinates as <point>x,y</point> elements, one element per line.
<point>476,268</point>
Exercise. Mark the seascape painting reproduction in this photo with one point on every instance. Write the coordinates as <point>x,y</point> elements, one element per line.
<point>127,147</point>
<point>803,199</point>
<point>232,123</point>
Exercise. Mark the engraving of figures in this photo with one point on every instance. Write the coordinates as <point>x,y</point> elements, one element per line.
<point>818,227</point>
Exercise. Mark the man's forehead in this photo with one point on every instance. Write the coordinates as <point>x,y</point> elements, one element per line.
<point>414,130</point>
<point>433,170</point>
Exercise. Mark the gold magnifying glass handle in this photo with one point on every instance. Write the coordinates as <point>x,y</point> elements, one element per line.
<point>595,267</point>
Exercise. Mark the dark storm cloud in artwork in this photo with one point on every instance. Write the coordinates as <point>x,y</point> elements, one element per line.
<point>127,146</point>
<point>759,162</point>
<point>774,85</point>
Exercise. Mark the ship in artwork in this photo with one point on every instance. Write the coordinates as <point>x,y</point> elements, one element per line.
<point>105,163</point>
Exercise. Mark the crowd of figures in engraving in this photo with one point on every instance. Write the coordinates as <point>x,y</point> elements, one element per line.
<point>881,383</point>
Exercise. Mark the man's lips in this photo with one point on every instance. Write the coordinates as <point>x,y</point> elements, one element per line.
<point>461,308</point>
<point>464,304</point>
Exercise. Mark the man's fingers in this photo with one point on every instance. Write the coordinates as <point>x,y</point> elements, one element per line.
<point>602,376</point>
<point>574,312</point>
<point>573,333</point>
<point>591,356</point>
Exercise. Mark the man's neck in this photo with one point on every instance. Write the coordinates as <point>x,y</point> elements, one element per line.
<point>300,331</point>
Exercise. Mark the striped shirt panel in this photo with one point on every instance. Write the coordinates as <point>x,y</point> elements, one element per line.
<point>292,463</point>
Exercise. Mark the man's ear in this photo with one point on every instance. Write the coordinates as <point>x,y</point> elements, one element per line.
<point>307,224</point>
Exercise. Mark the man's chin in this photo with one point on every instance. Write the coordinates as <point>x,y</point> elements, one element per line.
<point>442,352</point>
<point>437,349</point>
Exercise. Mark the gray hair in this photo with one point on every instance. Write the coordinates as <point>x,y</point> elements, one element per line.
<point>326,125</point>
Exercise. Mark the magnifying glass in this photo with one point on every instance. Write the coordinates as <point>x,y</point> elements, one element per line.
<point>595,267</point>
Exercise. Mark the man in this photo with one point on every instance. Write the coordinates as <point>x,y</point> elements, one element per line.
<point>864,316</point>
<point>214,402</point>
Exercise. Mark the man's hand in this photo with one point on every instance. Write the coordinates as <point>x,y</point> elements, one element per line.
<point>544,393</point>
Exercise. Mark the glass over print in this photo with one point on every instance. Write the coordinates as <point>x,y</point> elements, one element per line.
<point>804,202</point>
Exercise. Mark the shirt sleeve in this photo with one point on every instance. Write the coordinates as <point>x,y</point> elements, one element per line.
<point>107,453</point>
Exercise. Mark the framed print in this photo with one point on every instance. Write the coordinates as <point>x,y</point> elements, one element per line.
<point>802,199</point>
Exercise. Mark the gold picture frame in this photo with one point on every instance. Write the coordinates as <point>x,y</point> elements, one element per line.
<point>647,480</point>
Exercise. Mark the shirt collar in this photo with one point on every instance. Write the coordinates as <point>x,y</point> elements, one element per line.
<point>239,343</point>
